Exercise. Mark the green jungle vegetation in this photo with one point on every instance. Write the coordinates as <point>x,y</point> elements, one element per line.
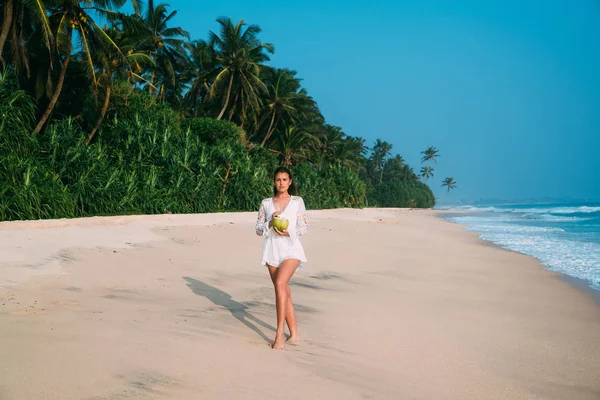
<point>106,113</point>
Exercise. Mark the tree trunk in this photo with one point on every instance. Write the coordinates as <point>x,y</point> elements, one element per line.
<point>8,16</point>
<point>232,108</point>
<point>197,102</point>
<point>102,113</point>
<point>259,123</point>
<point>226,97</point>
<point>17,37</point>
<point>225,181</point>
<point>59,84</point>
<point>268,135</point>
<point>161,93</point>
<point>151,83</point>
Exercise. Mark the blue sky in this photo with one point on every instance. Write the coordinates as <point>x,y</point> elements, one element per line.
<point>508,91</point>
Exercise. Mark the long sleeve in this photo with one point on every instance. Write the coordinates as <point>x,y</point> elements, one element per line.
<point>301,226</point>
<point>262,225</point>
<point>301,222</point>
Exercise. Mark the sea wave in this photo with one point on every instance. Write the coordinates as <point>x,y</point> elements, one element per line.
<point>574,250</point>
<point>562,210</point>
<point>556,218</point>
<point>497,225</point>
<point>574,258</point>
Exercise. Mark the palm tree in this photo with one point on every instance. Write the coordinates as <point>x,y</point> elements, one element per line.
<point>449,183</point>
<point>333,146</point>
<point>240,54</point>
<point>408,173</point>
<point>6,24</point>
<point>20,17</point>
<point>74,16</point>
<point>381,151</point>
<point>395,169</point>
<point>426,172</point>
<point>292,146</point>
<point>351,152</point>
<point>165,44</point>
<point>429,154</point>
<point>111,60</point>
<point>283,100</point>
<point>329,138</point>
<point>200,73</point>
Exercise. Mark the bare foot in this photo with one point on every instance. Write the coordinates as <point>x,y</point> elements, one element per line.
<point>293,338</point>
<point>279,341</point>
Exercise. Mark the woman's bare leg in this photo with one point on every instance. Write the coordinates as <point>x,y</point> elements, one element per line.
<point>290,315</point>
<point>282,294</point>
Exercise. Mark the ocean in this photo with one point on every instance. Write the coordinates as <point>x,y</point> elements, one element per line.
<point>563,237</point>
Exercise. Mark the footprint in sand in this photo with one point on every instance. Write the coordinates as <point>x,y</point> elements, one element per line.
<point>26,313</point>
<point>65,302</point>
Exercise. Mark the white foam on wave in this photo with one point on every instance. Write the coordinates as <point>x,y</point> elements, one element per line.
<point>560,251</point>
<point>531,210</point>
<point>469,208</point>
<point>557,218</point>
<point>576,210</point>
<point>503,225</point>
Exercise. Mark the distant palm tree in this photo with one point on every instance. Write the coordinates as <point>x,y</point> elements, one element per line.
<point>381,151</point>
<point>324,150</point>
<point>426,172</point>
<point>333,146</point>
<point>351,152</point>
<point>449,183</point>
<point>430,154</point>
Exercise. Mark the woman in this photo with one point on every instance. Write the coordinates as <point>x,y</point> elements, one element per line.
<point>282,251</point>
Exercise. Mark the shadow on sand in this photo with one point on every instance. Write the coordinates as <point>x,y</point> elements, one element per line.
<point>238,310</point>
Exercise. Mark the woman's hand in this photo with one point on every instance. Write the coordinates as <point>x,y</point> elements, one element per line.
<point>275,214</point>
<point>281,233</point>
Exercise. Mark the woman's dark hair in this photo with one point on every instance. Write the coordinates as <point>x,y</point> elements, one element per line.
<point>292,189</point>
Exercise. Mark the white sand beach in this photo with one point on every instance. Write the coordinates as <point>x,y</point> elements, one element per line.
<point>392,304</point>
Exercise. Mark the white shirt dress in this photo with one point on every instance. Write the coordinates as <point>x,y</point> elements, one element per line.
<point>277,248</point>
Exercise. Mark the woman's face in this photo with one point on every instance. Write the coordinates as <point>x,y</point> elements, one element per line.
<point>282,182</point>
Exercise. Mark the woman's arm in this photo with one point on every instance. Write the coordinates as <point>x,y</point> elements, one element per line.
<point>301,221</point>
<point>262,225</point>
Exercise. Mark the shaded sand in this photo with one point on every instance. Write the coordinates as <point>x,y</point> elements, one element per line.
<point>393,304</point>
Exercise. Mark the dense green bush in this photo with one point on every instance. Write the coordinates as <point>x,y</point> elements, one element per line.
<point>401,194</point>
<point>29,189</point>
<point>331,186</point>
<point>210,131</point>
<point>144,160</point>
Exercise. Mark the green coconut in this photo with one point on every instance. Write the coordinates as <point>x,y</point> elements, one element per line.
<point>281,224</point>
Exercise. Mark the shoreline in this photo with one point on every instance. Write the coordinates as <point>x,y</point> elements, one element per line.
<point>155,220</point>
<point>167,314</point>
<point>52,266</point>
<point>578,283</point>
